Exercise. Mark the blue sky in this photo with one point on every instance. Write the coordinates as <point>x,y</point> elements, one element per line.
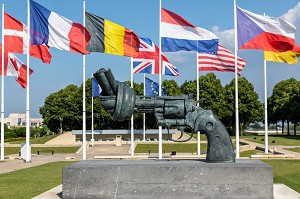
<point>143,18</point>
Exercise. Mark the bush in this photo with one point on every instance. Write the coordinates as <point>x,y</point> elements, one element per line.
<point>44,130</point>
<point>34,132</point>
<point>14,139</point>
<point>10,134</point>
<point>20,131</point>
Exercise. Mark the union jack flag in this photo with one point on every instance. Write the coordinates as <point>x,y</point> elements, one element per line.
<point>148,59</point>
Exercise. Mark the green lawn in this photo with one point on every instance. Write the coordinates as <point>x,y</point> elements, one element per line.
<point>297,149</point>
<point>275,140</point>
<point>27,183</point>
<point>43,150</point>
<point>168,147</point>
<point>249,153</point>
<point>178,147</point>
<point>39,140</point>
<point>286,172</point>
<point>202,136</point>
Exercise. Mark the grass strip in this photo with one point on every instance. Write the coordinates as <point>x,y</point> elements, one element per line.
<point>285,140</point>
<point>30,182</point>
<point>297,149</point>
<point>39,140</point>
<point>248,153</point>
<point>286,172</point>
<point>178,147</point>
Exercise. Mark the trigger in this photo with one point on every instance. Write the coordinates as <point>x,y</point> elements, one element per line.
<point>181,128</point>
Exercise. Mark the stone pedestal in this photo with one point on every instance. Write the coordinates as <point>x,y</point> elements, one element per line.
<point>176,179</point>
<point>118,140</point>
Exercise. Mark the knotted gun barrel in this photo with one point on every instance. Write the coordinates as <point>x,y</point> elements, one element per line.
<point>121,102</point>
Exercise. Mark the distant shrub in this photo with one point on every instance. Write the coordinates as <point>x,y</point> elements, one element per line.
<point>14,139</point>
<point>10,134</point>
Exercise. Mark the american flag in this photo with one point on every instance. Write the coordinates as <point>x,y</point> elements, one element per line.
<point>148,59</point>
<point>222,61</point>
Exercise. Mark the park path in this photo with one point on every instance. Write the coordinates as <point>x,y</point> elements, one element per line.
<point>36,160</point>
<point>277,148</point>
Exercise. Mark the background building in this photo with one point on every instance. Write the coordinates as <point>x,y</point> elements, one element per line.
<point>19,120</point>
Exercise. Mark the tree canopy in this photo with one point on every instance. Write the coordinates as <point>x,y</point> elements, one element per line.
<point>284,103</point>
<point>249,107</point>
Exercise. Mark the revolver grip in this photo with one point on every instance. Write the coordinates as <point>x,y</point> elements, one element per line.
<point>220,147</point>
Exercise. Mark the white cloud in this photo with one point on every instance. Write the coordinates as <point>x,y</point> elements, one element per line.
<point>292,15</point>
<point>226,37</point>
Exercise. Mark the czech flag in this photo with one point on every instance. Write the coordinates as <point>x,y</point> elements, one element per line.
<point>263,32</point>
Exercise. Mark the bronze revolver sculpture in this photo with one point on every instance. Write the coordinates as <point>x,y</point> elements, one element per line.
<point>121,102</point>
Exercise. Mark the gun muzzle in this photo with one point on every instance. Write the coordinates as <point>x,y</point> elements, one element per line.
<point>116,97</point>
<point>106,81</point>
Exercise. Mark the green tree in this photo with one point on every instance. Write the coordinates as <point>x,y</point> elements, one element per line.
<point>295,111</point>
<point>61,111</point>
<point>250,108</point>
<point>172,87</point>
<point>213,95</point>
<point>284,102</point>
<point>189,87</point>
<point>9,133</point>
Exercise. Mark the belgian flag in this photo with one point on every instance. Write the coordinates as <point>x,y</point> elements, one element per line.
<point>111,38</point>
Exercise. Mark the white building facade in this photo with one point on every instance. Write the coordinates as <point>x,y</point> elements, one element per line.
<point>19,120</point>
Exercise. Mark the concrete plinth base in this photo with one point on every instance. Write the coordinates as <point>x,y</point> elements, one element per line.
<point>245,179</point>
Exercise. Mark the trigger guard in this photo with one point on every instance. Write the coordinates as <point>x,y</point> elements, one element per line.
<point>186,140</point>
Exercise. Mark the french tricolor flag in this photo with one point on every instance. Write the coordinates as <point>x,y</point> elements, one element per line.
<point>178,34</point>
<point>56,31</point>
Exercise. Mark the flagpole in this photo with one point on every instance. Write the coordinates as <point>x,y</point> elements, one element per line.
<point>28,151</point>
<point>83,100</point>
<point>198,96</point>
<point>160,69</point>
<point>131,121</point>
<point>2,88</point>
<point>144,114</point>
<point>266,108</point>
<point>93,140</point>
<point>237,133</point>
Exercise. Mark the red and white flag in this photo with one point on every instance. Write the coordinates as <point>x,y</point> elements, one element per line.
<point>14,67</point>
<point>15,40</point>
<point>222,61</point>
